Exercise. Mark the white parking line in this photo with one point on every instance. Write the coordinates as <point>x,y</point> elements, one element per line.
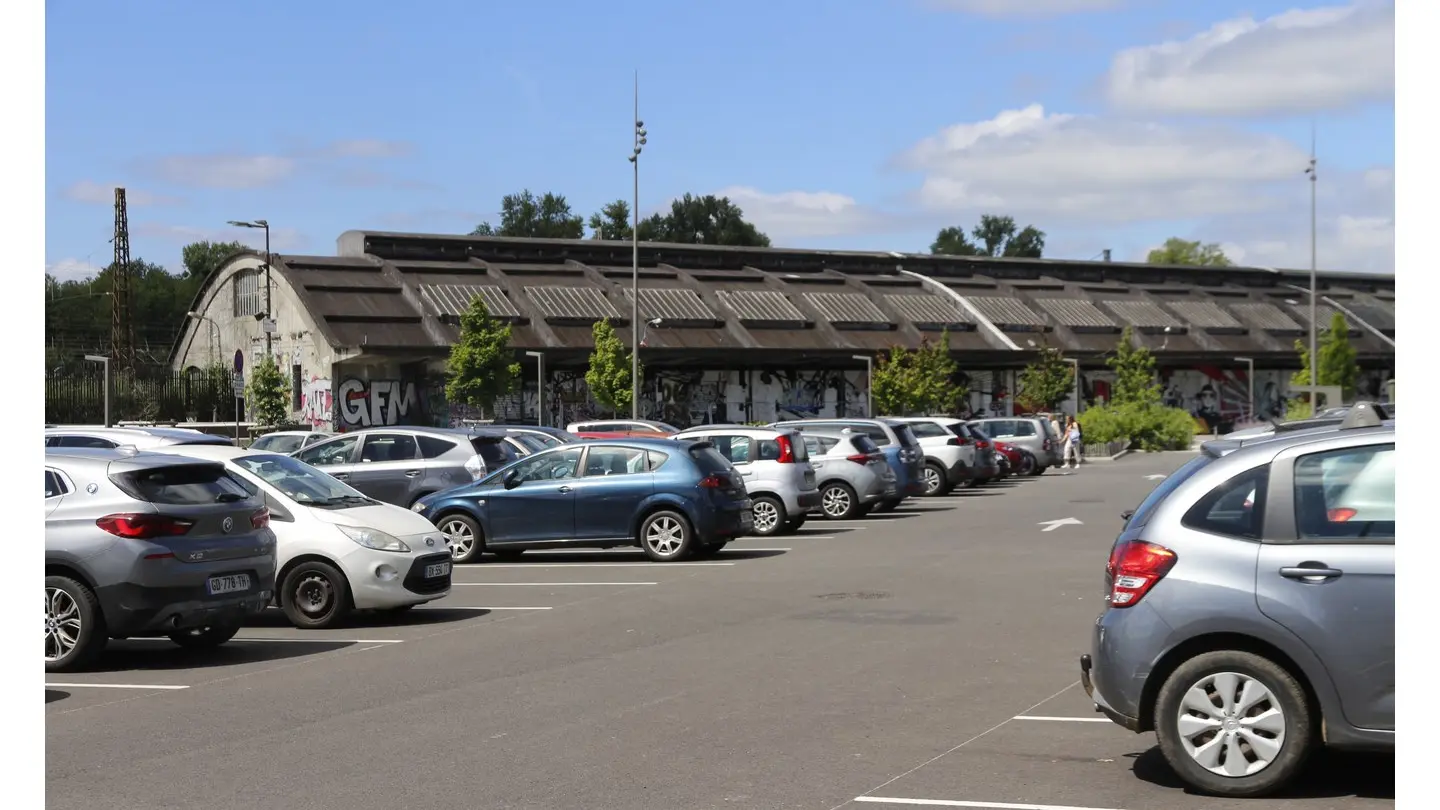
<point>749,549</point>
<point>117,685</point>
<point>315,640</point>
<point>468,607</point>
<point>551,584</point>
<point>1062,719</point>
<point>993,805</point>
<point>484,566</point>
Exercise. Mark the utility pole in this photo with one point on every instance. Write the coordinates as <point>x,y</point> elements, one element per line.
<point>1314,292</point>
<point>122,324</point>
<point>635,261</point>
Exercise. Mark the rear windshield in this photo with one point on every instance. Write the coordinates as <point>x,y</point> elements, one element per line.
<point>495,454</point>
<point>182,484</point>
<point>770,449</point>
<point>1158,495</point>
<point>709,460</point>
<point>907,436</point>
<point>278,444</point>
<point>927,430</point>
<point>864,444</point>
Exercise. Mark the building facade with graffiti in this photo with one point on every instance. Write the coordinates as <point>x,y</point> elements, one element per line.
<point>741,334</point>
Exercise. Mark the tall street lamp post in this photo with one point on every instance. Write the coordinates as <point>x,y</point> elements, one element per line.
<point>635,261</point>
<point>1314,326</point>
<point>264,225</point>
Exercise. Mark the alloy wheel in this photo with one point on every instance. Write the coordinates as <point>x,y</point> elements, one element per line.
<point>462,540</point>
<point>1231,724</point>
<point>835,502</point>
<point>664,536</point>
<point>62,624</point>
<point>932,481</point>
<point>767,517</point>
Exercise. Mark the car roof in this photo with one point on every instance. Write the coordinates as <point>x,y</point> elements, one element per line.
<point>468,432</point>
<point>934,419</point>
<point>736,427</point>
<point>1362,418</point>
<point>123,457</point>
<point>216,452</point>
<point>297,433</point>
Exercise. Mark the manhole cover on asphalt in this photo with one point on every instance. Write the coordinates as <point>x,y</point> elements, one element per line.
<point>856,595</point>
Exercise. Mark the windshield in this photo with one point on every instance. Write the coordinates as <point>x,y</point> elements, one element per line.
<point>278,444</point>
<point>300,482</point>
<point>533,443</point>
<point>1158,495</point>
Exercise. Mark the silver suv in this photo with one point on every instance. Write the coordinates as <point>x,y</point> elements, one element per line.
<point>140,438</point>
<point>1032,435</point>
<point>776,467</point>
<point>1250,608</point>
<point>949,460</point>
<point>401,465</point>
<point>143,544</point>
<point>852,472</point>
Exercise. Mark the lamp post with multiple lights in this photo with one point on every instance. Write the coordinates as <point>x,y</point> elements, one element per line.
<point>264,225</point>
<point>1314,327</point>
<point>635,262</point>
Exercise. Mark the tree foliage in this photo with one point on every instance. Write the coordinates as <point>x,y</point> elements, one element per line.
<point>1150,427</point>
<point>200,259</point>
<point>919,382</point>
<point>268,394</point>
<point>611,222</point>
<point>481,367</point>
<point>1134,367</point>
<point>995,236</point>
<point>609,373</point>
<point>1045,383</point>
<point>77,312</point>
<point>892,382</point>
<point>707,220</point>
<point>545,217</point>
<point>1337,365</point>
<point>1179,251</point>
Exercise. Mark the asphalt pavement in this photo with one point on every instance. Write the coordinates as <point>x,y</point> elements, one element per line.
<point>922,658</point>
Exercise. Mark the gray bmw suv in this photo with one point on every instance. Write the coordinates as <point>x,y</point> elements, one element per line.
<point>1250,607</point>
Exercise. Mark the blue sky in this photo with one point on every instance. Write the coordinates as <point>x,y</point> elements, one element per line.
<point>1106,123</point>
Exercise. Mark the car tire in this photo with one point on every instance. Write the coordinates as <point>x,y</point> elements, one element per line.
<point>509,553</point>
<point>315,595</point>
<point>839,502</point>
<point>467,541</point>
<point>770,514</point>
<point>1280,712</point>
<point>204,638</point>
<point>936,481</point>
<point>71,607</point>
<point>666,536</point>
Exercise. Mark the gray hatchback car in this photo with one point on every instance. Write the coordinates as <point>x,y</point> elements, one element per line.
<point>1250,608</point>
<point>145,544</point>
<point>401,465</point>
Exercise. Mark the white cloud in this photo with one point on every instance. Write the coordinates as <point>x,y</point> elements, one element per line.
<point>1067,168</point>
<point>71,270</point>
<point>802,214</point>
<point>88,191</point>
<point>1026,8</point>
<point>367,148</point>
<point>281,239</point>
<point>1297,61</point>
<point>224,171</point>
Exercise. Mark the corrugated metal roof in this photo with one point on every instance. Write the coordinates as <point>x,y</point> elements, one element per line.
<point>1143,314</point>
<point>760,306</point>
<point>1380,317</point>
<point>572,303</point>
<point>1075,312</point>
<point>672,304</point>
<point>1204,314</point>
<point>454,299</point>
<point>929,310</point>
<point>1266,316</point>
<point>846,308</point>
<point>1006,311</point>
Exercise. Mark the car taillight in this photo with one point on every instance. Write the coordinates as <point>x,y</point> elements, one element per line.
<point>787,452</point>
<point>715,481</point>
<point>955,442</point>
<point>1134,568</point>
<point>1047,444</point>
<point>1340,515</point>
<point>858,458</point>
<point>983,445</point>
<point>260,519</point>
<point>133,526</point>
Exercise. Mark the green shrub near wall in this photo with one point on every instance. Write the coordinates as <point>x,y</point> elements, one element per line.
<point>1143,426</point>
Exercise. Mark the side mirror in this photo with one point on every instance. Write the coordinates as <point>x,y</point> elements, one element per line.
<point>512,480</point>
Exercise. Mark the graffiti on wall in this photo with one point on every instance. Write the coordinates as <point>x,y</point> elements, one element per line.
<point>317,407</point>
<point>362,403</point>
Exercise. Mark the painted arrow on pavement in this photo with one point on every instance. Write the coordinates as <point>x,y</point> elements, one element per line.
<point>1155,477</point>
<point>1052,525</point>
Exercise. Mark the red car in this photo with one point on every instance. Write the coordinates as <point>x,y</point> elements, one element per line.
<point>1014,458</point>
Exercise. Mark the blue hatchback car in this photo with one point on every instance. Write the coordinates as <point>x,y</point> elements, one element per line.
<point>674,499</point>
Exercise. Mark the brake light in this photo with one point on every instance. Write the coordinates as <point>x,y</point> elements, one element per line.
<point>715,481</point>
<point>955,442</point>
<point>787,452</point>
<point>1047,444</point>
<point>260,519</point>
<point>133,526</point>
<point>858,458</point>
<point>982,445</point>
<point>1340,515</point>
<point>1134,568</point>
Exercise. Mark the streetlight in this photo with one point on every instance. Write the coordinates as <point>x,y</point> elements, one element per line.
<point>105,365</point>
<point>1076,363</point>
<point>265,225</point>
<point>869,382</point>
<point>214,333</point>
<point>635,261</point>
<point>540,386</point>
<point>1250,378</point>
<point>1314,361</point>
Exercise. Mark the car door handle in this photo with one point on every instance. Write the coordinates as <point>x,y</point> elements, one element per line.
<point>1315,571</point>
<point>563,490</point>
<point>412,473</point>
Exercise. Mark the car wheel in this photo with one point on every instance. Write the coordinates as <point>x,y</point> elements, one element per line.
<point>200,638</point>
<point>315,595</point>
<point>466,541</point>
<point>1234,724</point>
<point>769,515</point>
<point>509,553</point>
<point>666,536</point>
<point>936,482</point>
<point>838,502</point>
<point>1027,464</point>
<point>74,626</point>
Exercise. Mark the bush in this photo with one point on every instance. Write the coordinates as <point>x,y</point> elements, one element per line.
<point>1145,427</point>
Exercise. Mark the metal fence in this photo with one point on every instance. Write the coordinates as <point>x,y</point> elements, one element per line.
<point>77,396</point>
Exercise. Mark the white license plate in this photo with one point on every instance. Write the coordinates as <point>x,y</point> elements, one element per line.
<point>230,583</point>
<point>437,570</point>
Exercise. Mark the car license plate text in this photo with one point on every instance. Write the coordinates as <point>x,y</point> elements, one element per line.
<point>229,583</point>
<point>437,570</point>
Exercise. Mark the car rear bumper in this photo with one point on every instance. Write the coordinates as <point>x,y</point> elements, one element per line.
<point>1101,706</point>
<point>958,472</point>
<point>807,501</point>
<point>134,610</point>
<point>724,524</point>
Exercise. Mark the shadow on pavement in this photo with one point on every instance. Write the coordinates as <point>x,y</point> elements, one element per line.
<point>134,655</point>
<point>275,618</point>
<point>627,555</point>
<point>1330,774</point>
<point>52,695</point>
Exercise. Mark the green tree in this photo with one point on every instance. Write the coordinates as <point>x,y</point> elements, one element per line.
<point>545,217</point>
<point>995,236</point>
<point>609,373</point>
<point>1177,251</point>
<point>481,366</point>
<point>77,312</point>
<point>707,220</point>
<point>935,373</point>
<point>1045,383</point>
<point>611,222</point>
<point>894,388</point>
<point>268,394</point>
<point>1134,367</point>
<point>1337,360</point>
<point>201,258</point>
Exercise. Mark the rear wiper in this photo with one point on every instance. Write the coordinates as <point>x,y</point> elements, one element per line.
<point>228,497</point>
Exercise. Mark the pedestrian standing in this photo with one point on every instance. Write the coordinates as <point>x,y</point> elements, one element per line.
<point>1072,443</point>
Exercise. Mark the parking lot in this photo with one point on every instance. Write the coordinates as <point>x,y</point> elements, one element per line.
<point>926,657</point>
